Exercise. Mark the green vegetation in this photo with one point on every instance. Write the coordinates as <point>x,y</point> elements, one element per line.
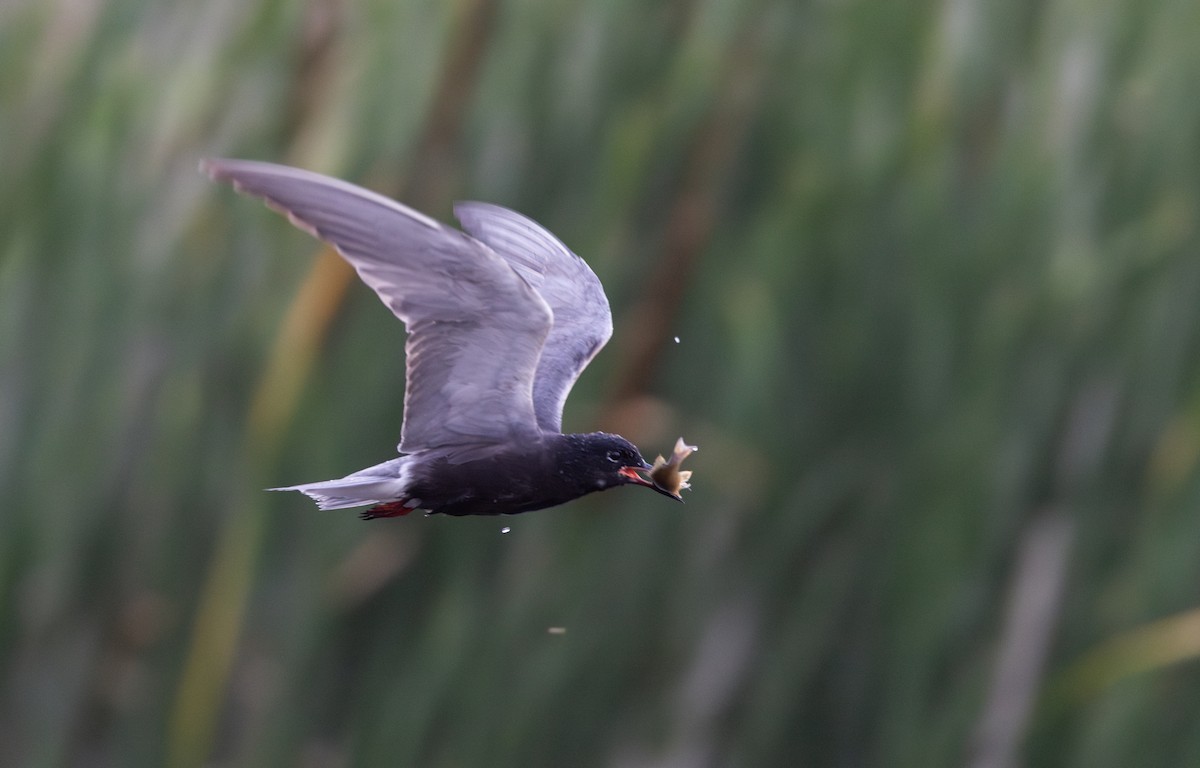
<point>935,274</point>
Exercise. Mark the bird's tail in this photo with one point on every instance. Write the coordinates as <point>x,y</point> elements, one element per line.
<point>374,485</point>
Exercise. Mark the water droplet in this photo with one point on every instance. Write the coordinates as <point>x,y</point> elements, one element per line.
<point>676,339</point>
<point>505,529</point>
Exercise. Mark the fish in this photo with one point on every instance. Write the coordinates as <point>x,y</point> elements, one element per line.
<point>666,475</point>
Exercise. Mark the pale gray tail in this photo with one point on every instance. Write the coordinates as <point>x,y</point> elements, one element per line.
<point>374,485</point>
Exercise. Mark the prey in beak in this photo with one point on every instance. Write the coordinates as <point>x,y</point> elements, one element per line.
<point>664,476</point>
<point>631,474</point>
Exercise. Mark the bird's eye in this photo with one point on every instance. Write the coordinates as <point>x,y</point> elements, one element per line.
<point>614,456</point>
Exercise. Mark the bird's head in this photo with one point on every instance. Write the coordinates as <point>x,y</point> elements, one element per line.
<point>611,460</point>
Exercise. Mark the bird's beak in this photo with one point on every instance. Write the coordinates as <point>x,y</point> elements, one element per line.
<point>631,474</point>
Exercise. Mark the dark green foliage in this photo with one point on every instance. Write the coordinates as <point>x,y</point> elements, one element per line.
<point>937,271</point>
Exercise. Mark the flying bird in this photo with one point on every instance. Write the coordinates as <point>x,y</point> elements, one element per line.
<point>501,318</point>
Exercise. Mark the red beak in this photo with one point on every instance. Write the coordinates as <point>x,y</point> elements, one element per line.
<point>631,474</point>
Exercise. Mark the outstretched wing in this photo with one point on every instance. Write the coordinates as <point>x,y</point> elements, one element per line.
<point>582,319</point>
<point>475,327</point>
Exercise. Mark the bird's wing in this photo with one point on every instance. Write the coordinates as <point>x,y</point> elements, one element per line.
<point>475,327</point>
<point>582,319</point>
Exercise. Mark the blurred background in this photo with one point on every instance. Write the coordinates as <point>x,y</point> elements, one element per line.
<point>920,279</point>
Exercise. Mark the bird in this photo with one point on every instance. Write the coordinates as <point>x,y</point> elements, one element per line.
<point>501,319</point>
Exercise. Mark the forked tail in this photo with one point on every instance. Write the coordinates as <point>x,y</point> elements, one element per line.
<point>380,484</point>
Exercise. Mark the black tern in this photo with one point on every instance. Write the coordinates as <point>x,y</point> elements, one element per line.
<point>501,318</point>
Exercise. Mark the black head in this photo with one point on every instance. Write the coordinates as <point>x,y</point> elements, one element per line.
<point>606,461</point>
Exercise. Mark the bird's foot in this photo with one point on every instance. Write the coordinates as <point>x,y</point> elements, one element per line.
<point>390,509</point>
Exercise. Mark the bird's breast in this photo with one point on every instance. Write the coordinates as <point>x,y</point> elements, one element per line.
<point>499,484</point>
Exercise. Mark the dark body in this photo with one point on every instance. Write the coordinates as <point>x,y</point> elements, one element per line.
<point>511,478</point>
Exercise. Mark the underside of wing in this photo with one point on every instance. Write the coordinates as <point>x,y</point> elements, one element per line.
<point>475,328</point>
<point>582,319</point>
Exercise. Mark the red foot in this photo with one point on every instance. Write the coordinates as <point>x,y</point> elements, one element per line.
<point>390,509</point>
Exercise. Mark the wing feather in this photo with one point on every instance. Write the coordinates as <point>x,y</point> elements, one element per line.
<point>476,328</point>
<point>582,318</point>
